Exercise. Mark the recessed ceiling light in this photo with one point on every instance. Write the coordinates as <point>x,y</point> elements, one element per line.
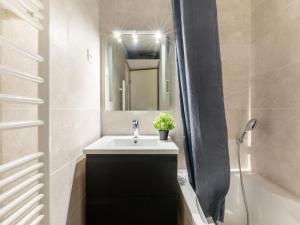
<point>135,38</point>
<point>158,35</point>
<point>117,34</point>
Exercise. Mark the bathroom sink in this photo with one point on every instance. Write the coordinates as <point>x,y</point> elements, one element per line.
<point>130,142</point>
<point>124,177</point>
<point>129,145</point>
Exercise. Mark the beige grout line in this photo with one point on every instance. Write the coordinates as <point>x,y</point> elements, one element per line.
<point>69,162</point>
<point>255,8</point>
<point>276,70</point>
<point>276,109</point>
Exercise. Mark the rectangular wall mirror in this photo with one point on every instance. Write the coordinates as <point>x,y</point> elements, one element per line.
<point>139,70</point>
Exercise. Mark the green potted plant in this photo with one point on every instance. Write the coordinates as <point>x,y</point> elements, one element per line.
<point>164,123</point>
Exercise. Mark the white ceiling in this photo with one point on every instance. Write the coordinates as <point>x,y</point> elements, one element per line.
<point>138,64</point>
<point>136,15</point>
<point>145,43</point>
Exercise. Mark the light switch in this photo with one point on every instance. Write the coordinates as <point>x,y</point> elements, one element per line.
<point>90,58</point>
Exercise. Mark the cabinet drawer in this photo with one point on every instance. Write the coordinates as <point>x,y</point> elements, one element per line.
<point>131,175</point>
<point>132,211</point>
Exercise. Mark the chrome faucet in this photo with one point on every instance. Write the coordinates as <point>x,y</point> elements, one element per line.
<point>135,126</point>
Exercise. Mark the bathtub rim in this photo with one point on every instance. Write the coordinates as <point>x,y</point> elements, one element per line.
<point>189,197</point>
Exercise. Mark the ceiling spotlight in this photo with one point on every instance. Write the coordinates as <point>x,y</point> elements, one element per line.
<point>135,38</point>
<point>117,34</point>
<point>119,40</point>
<point>158,35</point>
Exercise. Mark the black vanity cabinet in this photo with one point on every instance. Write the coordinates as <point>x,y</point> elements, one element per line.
<point>131,189</point>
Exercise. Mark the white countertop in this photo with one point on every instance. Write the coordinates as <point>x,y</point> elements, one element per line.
<point>146,145</point>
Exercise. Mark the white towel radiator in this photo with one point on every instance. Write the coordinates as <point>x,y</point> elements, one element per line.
<point>22,183</point>
<point>21,201</point>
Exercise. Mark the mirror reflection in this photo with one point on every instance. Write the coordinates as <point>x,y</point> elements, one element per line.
<point>139,70</point>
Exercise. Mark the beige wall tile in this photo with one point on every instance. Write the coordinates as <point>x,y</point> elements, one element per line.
<point>227,6</point>
<point>275,146</point>
<point>71,131</point>
<point>235,39</point>
<point>239,100</point>
<point>78,78</point>
<point>234,25</point>
<point>74,104</point>
<point>255,4</point>
<point>271,15</point>
<point>236,120</point>
<point>118,122</point>
<point>245,153</point>
<point>236,60</point>
<point>17,143</point>
<point>278,89</point>
<point>274,92</point>
<point>61,182</point>
<point>277,49</point>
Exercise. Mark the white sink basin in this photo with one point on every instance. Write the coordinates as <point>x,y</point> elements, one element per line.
<point>129,142</point>
<point>126,145</point>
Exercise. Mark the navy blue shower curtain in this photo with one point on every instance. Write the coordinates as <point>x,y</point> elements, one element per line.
<point>202,102</point>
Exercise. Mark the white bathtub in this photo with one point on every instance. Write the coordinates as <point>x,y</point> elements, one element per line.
<point>188,211</point>
<point>268,203</point>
